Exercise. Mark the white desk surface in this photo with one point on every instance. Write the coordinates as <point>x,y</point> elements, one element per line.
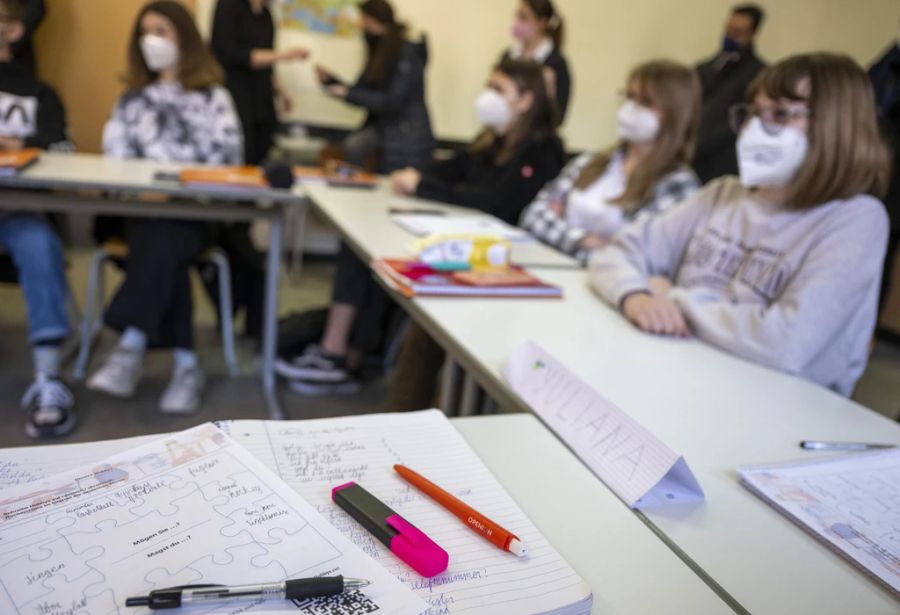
<point>628,568</point>
<point>90,171</point>
<point>720,413</point>
<point>364,220</point>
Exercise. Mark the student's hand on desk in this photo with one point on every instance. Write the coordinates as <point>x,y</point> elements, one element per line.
<point>406,182</point>
<point>338,90</point>
<point>659,286</point>
<point>592,242</point>
<point>655,314</point>
<point>11,144</point>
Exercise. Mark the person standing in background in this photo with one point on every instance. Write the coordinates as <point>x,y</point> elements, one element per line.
<point>33,12</point>
<point>885,76</point>
<point>538,30</point>
<point>392,90</point>
<point>243,41</point>
<point>725,79</point>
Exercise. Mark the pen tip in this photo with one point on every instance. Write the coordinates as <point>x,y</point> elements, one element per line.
<point>517,548</point>
<point>356,583</point>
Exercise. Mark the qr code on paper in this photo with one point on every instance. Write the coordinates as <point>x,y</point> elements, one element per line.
<point>350,603</point>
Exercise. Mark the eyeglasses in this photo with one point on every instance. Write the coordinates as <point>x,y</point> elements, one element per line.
<point>774,119</point>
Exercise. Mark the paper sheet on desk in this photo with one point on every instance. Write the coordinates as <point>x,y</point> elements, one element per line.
<point>850,503</point>
<point>313,456</point>
<point>424,225</point>
<point>630,460</point>
<point>190,508</point>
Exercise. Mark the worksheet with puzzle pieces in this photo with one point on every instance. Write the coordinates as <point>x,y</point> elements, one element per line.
<point>190,508</point>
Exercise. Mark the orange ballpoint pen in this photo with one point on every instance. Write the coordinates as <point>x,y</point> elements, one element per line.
<point>502,538</point>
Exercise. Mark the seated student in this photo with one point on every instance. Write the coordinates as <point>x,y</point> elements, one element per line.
<point>782,266</point>
<point>516,153</point>
<point>33,116</point>
<point>175,110</point>
<point>645,173</point>
<point>391,89</point>
<point>538,31</point>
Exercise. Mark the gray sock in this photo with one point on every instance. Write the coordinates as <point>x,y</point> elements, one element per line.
<point>47,360</point>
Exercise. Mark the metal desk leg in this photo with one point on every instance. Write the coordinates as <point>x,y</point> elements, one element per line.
<point>270,318</point>
<point>469,404</point>
<point>450,381</point>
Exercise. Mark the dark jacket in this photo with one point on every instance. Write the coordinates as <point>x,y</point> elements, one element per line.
<point>723,85</point>
<point>473,180</point>
<point>399,112</point>
<point>885,75</point>
<point>557,62</point>
<point>31,110</point>
<point>236,32</point>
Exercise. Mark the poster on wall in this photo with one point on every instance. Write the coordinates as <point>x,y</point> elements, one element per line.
<point>331,17</point>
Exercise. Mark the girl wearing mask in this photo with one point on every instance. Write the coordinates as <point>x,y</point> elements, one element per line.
<point>392,90</point>
<point>538,33</point>
<point>645,173</point>
<point>782,266</point>
<point>243,40</point>
<point>174,110</point>
<point>501,172</point>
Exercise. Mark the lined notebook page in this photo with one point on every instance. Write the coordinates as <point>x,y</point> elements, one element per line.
<point>314,456</point>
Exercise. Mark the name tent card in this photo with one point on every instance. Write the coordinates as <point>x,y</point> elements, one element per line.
<point>630,460</point>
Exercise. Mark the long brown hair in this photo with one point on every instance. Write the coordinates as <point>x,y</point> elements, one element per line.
<point>675,91</point>
<point>537,124</point>
<point>383,58</point>
<point>197,68</point>
<point>544,9</point>
<point>847,155</point>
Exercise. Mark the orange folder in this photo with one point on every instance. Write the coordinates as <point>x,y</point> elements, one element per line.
<point>13,163</point>
<point>226,178</point>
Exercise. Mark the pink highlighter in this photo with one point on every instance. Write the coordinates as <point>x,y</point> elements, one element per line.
<point>404,539</point>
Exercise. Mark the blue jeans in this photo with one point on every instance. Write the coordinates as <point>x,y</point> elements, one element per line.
<point>38,256</point>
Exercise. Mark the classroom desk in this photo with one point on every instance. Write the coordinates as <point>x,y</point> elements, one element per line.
<point>718,411</point>
<point>629,571</point>
<point>363,219</point>
<point>55,181</point>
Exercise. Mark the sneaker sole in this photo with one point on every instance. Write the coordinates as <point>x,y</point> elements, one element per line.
<point>291,372</point>
<point>56,431</point>
<point>117,393</point>
<point>315,389</point>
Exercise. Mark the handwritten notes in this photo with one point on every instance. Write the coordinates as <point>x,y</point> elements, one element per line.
<point>849,503</point>
<point>630,460</point>
<point>313,456</point>
<point>190,508</point>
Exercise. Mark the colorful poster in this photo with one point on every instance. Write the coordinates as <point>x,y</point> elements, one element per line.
<point>334,17</point>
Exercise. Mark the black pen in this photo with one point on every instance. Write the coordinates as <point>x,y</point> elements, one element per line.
<point>812,445</point>
<point>298,589</point>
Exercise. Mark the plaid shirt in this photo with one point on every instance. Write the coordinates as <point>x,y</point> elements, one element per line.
<point>554,229</point>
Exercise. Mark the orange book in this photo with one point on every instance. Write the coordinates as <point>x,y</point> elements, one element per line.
<point>341,176</point>
<point>13,163</point>
<point>414,279</point>
<point>225,178</point>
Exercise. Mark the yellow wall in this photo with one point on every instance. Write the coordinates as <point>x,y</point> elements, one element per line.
<point>605,39</point>
<point>81,52</point>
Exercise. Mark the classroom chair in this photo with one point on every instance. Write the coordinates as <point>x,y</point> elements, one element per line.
<point>117,251</point>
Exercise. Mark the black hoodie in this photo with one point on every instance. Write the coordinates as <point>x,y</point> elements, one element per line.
<point>30,110</point>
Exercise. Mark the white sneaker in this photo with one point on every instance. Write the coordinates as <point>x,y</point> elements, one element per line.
<point>183,394</point>
<point>120,374</point>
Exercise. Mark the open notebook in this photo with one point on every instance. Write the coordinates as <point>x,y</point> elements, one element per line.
<point>314,456</point>
<point>850,503</point>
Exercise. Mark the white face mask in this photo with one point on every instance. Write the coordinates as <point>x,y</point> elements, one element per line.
<point>159,53</point>
<point>770,159</point>
<point>637,123</point>
<point>493,111</point>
